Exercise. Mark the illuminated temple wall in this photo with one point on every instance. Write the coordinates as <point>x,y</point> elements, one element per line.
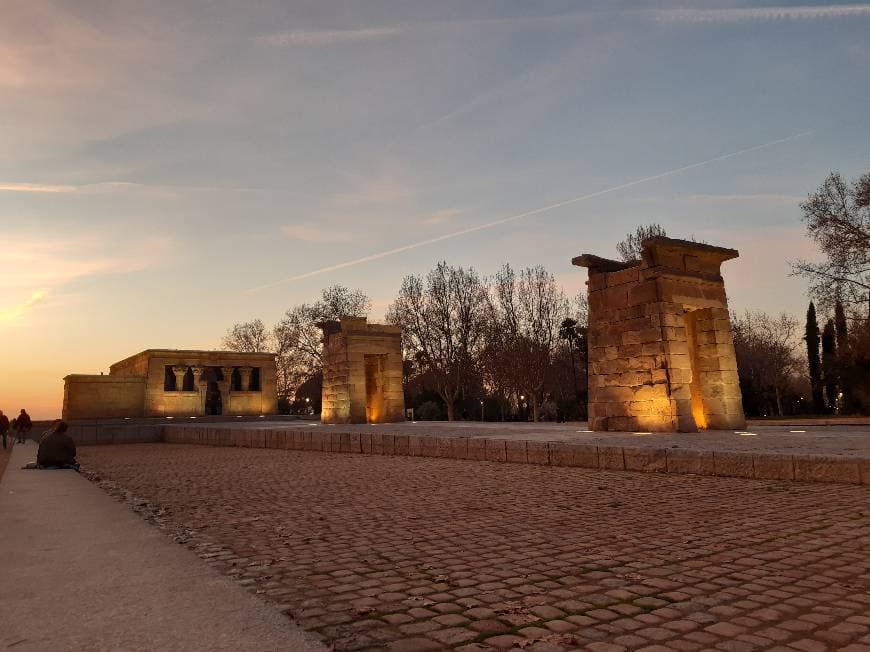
<point>168,382</point>
<point>661,356</point>
<point>362,372</point>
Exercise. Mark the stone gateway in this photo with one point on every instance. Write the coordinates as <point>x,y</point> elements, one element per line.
<point>166,382</point>
<point>661,357</point>
<point>362,372</point>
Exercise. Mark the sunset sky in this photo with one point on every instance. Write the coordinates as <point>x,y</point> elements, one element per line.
<point>166,166</point>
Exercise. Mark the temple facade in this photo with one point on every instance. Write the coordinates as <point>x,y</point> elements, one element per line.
<point>661,356</point>
<point>362,372</point>
<point>166,382</point>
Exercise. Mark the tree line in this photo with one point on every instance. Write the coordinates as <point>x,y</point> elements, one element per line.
<point>507,347</point>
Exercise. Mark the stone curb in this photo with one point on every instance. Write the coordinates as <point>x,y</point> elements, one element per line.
<point>647,459</point>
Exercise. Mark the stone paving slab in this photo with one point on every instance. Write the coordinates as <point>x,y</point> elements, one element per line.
<point>824,454</point>
<point>78,571</point>
<point>412,553</point>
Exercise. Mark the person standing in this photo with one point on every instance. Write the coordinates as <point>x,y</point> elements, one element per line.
<point>4,427</point>
<point>24,425</point>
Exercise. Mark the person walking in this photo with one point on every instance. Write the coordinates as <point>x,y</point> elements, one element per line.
<point>24,425</point>
<point>4,427</point>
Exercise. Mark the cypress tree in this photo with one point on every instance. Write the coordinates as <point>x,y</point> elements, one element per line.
<point>815,365</point>
<point>844,363</point>
<point>829,363</point>
<point>841,328</point>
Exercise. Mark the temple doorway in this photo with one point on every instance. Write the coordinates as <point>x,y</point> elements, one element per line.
<point>374,365</point>
<point>698,411</point>
<point>213,401</point>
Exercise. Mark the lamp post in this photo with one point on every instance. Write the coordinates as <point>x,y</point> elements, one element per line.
<point>307,405</point>
<point>481,410</point>
<point>523,407</point>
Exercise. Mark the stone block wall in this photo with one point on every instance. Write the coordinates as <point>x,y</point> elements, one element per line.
<point>661,356</point>
<point>362,372</point>
<point>87,396</point>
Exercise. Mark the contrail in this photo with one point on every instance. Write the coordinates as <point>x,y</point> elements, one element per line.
<point>520,216</point>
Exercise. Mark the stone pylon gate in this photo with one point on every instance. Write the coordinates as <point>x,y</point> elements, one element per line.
<point>362,372</point>
<point>661,357</point>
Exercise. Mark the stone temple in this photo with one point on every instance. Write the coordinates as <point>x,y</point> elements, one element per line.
<point>661,357</point>
<point>362,372</point>
<point>166,382</point>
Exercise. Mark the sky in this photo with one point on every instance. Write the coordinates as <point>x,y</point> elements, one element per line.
<point>170,168</point>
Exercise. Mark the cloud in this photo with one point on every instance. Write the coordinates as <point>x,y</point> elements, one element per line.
<point>441,216</point>
<point>35,187</point>
<point>735,15</point>
<point>33,261</point>
<point>15,312</point>
<point>309,232</point>
<point>103,187</point>
<point>319,38</point>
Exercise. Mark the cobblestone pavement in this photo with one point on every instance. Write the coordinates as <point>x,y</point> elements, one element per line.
<point>410,553</point>
<point>848,440</point>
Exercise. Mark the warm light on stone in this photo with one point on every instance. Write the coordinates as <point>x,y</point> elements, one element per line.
<point>661,357</point>
<point>362,372</point>
<point>151,383</point>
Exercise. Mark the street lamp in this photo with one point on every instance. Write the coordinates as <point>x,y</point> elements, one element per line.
<point>481,410</point>
<point>307,405</point>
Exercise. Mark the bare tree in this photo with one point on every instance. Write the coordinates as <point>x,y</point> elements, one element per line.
<point>248,337</point>
<point>767,360</point>
<point>298,339</point>
<point>530,309</point>
<point>837,217</point>
<point>442,317</point>
<point>630,248</point>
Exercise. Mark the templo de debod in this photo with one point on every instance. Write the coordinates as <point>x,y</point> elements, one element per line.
<point>661,357</point>
<point>166,382</point>
<point>362,372</point>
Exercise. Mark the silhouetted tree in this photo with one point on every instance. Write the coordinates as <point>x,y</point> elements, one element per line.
<point>631,247</point>
<point>837,217</point>
<point>295,339</point>
<point>443,323</point>
<point>298,338</point>
<point>814,363</point>
<point>248,337</point>
<point>529,309</point>
<point>766,360</point>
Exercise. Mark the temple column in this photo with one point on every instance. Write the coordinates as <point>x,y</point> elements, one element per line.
<point>245,373</point>
<point>179,371</point>
<point>200,385</point>
<point>226,387</point>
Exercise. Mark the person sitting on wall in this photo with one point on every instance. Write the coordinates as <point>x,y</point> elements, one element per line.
<point>57,450</point>
<point>24,425</point>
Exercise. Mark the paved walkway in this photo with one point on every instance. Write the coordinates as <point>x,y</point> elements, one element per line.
<point>415,554</point>
<point>79,571</point>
